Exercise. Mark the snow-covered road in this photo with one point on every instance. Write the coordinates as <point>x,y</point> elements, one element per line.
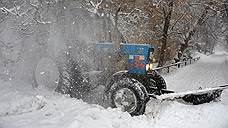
<point>22,107</point>
<point>209,71</point>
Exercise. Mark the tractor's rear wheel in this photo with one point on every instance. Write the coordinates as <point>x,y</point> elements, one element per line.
<point>129,95</point>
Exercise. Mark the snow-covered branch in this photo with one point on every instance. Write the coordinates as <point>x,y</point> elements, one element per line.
<point>33,5</point>
<point>10,11</point>
<point>131,12</point>
<point>95,7</point>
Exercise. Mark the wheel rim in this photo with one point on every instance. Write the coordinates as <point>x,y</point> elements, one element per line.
<point>125,99</point>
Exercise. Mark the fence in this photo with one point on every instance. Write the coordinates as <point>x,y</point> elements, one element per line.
<point>178,64</point>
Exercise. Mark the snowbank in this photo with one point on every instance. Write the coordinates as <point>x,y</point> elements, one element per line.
<point>45,109</point>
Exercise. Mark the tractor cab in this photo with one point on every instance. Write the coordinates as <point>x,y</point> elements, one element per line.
<point>138,57</point>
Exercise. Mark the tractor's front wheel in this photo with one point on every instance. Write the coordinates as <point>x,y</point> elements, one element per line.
<point>158,80</point>
<point>129,95</point>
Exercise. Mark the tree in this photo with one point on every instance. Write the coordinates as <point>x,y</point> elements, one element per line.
<point>211,7</point>
<point>167,18</point>
<point>226,18</point>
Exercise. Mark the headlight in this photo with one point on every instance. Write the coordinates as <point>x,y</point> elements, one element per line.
<point>149,67</point>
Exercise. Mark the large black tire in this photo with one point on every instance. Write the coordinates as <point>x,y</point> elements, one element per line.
<point>158,80</point>
<point>137,93</point>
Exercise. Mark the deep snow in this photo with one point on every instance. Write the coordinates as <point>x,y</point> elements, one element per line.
<point>27,108</point>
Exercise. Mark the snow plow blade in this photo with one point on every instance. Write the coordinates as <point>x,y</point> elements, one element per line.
<point>195,97</point>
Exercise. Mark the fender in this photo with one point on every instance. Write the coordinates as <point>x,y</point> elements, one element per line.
<point>113,78</point>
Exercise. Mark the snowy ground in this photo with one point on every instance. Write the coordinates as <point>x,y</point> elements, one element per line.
<point>23,107</point>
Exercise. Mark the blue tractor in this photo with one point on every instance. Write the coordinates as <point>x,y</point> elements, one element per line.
<point>129,87</point>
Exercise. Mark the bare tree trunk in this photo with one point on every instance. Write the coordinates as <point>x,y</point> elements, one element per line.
<point>116,39</point>
<point>115,56</point>
<point>226,8</point>
<point>165,34</point>
<point>192,31</point>
<point>226,18</point>
<point>107,29</point>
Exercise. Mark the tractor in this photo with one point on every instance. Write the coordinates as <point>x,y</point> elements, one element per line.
<point>129,87</point>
